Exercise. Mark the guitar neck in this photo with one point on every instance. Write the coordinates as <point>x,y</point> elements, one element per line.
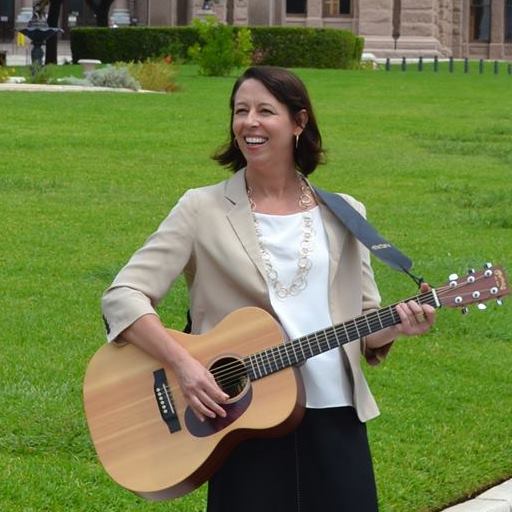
<point>295,352</point>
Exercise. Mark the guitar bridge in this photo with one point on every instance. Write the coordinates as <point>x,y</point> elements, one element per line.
<point>164,401</point>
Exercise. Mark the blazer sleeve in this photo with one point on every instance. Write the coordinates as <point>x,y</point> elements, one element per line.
<point>370,293</point>
<point>146,278</point>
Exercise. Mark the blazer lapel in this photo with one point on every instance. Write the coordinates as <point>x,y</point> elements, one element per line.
<point>240,218</point>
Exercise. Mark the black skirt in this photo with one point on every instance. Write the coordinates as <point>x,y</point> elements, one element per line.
<point>325,465</point>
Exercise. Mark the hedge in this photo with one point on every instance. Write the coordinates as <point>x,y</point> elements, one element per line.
<point>278,46</point>
<point>129,44</point>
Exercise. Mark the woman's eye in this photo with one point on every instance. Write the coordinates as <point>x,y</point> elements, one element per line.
<point>240,110</point>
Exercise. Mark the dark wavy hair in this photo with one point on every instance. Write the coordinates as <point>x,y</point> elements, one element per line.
<point>288,89</point>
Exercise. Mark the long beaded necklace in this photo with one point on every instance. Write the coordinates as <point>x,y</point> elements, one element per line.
<point>299,281</point>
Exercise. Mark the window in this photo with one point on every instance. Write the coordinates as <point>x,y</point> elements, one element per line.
<point>6,20</point>
<point>480,20</point>
<point>295,6</point>
<point>337,7</point>
<point>508,20</point>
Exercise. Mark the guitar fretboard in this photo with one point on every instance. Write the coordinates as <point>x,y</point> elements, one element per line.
<point>295,352</point>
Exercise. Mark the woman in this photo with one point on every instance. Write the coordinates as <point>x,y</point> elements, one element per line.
<point>262,238</point>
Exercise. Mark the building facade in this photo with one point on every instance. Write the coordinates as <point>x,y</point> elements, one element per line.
<point>394,28</point>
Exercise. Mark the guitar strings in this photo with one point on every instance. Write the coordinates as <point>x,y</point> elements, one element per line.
<point>230,373</point>
<point>385,315</point>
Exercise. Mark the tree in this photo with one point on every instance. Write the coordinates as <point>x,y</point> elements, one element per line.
<point>53,21</point>
<point>100,8</point>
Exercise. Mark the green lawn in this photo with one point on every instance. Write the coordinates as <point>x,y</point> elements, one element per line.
<point>84,178</point>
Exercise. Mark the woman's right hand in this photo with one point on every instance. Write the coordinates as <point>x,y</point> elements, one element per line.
<point>199,388</point>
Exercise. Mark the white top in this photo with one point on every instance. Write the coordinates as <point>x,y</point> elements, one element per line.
<point>325,376</point>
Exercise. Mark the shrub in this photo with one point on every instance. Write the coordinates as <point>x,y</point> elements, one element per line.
<point>5,73</point>
<point>219,48</point>
<point>153,75</point>
<point>40,75</point>
<point>358,50</point>
<point>114,77</point>
<point>130,43</point>
<point>173,52</point>
<point>306,47</point>
<point>279,46</point>
<point>243,48</point>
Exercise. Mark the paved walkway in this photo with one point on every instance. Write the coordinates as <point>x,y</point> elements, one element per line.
<point>497,499</point>
<point>63,88</point>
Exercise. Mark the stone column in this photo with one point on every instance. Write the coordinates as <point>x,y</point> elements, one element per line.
<point>241,12</point>
<point>375,24</point>
<point>314,13</point>
<point>280,12</point>
<point>420,29</point>
<point>163,13</point>
<point>24,15</point>
<point>445,25</point>
<point>496,46</point>
<point>260,13</point>
<point>120,14</point>
<point>417,18</point>
<point>459,37</point>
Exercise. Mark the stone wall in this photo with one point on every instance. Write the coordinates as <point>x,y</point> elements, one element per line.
<point>426,27</point>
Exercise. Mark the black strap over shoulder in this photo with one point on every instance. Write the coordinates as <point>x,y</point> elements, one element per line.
<point>364,232</point>
<point>367,234</point>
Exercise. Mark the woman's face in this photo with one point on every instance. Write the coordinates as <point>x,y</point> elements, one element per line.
<point>263,127</point>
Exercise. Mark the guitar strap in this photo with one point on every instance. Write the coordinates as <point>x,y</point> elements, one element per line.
<point>367,234</point>
<point>364,232</point>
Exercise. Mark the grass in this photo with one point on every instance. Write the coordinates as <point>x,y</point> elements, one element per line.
<point>84,178</point>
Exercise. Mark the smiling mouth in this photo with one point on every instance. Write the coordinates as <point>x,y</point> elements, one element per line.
<point>255,141</point>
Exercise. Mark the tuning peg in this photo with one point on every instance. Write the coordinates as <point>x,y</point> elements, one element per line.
<point>488,265</point>
<point>453,280</point>
<point>464,310</point>
<point>471,270</point>
<point>499,302</point>
<point>481,306</point>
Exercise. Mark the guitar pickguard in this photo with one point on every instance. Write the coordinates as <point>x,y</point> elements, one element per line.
<point>213,425</point>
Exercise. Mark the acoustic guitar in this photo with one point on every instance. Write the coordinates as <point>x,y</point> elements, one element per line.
<point>151,443</point>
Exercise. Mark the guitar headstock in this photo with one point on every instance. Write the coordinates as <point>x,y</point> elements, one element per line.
<point>474,288</point>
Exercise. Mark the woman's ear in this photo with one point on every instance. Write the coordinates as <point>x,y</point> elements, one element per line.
<point>301,118</point>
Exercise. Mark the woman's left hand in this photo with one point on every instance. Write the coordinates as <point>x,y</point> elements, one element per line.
<point>415,318</point>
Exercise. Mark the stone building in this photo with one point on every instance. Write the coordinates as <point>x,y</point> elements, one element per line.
<point>458,28</point>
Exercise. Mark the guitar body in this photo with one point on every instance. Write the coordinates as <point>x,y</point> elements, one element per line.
<point>160,459</point>
<point>148,439</point>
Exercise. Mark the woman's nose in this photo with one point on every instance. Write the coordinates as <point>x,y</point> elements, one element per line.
<point>252,118</point>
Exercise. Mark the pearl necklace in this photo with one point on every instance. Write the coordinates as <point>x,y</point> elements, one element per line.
<point>299,281</point>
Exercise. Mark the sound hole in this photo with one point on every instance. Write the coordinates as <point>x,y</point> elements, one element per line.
<point>231,375</point>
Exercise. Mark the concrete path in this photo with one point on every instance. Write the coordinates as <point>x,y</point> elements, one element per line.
<point>496,499</point>
<point>63,88</point>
